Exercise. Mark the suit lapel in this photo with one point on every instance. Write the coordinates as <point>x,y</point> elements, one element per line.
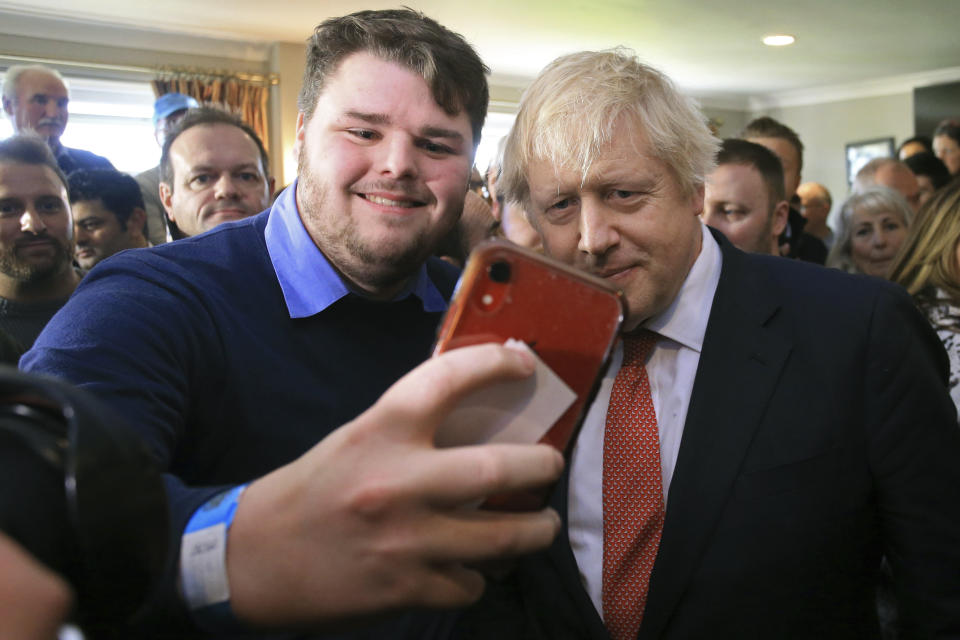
<point>739,367</point>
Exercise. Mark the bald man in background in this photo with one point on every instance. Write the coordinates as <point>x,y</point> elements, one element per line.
<point>815,205</point>
<point>890,173</point>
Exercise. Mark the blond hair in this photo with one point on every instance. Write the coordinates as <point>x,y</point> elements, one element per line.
<point>928,257</point>
<point>568,116</point>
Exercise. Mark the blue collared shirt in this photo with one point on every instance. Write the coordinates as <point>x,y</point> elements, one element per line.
<point>309,282</point>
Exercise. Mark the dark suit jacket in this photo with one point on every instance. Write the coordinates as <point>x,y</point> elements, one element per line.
<point>820,435</point>
<point>72,159</point>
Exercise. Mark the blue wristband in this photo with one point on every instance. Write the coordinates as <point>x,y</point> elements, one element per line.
<point>203,553</point>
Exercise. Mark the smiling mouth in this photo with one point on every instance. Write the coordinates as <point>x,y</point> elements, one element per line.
<point>387,202</point>
<point>613,274</point>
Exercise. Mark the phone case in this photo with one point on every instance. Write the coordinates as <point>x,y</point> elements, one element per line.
<point>569,318</point>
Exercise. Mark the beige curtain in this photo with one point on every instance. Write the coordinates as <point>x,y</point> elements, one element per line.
<point>244,98</point>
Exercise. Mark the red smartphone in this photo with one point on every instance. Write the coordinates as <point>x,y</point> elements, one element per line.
<point>569,318</point>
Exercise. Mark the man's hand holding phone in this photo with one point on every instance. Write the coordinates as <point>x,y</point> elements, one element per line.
<point>569,319</point>
<point>372,518</point>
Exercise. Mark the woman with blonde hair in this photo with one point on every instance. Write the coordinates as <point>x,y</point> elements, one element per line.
<point>873,225</point>
<point>928,267</point>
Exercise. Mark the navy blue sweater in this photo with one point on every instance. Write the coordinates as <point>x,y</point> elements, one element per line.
<point>192,343</point>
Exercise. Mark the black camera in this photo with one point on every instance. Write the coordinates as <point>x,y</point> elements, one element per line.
<point>81,494</point>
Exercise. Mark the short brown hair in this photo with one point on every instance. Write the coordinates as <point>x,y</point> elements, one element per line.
<point>448,64</point>
<point>758,157</point>
<point>28,148</point>
<point>767,127</point>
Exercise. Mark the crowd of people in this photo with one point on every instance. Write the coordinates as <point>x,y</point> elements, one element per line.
<point>777,424</point>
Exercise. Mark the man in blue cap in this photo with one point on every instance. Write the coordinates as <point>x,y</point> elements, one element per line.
<point>167,111</point>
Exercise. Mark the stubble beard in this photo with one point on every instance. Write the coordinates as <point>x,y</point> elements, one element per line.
<point>375,267</point>
<point>31,274</point>
<point>761,241</point>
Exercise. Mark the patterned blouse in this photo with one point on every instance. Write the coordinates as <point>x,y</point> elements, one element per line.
<point>944,315</point>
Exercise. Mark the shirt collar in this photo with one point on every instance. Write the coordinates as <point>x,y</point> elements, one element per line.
<point>309,282</point>
<point>685,320</point>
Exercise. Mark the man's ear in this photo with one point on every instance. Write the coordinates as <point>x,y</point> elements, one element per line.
<point>8,106</point>
<point>496,209</point>
<point>780,216</point>
<point>696,200</point>
<point>301,125</point>
<point>138,221</point>
<point>166,198</point>
<point>271,185</point>
<point>298,138</point>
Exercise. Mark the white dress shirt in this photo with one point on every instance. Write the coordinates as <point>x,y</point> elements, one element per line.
<point>671,369</point>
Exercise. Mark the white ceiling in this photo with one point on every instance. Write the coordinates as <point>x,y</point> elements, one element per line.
<point>710,48</point>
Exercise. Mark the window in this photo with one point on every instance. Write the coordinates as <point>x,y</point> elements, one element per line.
<point>495,127</point>
<point>111,118</point>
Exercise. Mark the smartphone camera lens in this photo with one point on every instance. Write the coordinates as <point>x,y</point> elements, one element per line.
<point>499,272</point>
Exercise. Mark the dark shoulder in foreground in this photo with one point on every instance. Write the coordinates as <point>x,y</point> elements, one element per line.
<point>806,282</point>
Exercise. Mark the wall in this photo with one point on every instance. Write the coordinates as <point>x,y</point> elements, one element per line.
<point>826,128</point>
<point>129,53</point>
<point>126,53</point>
<point>286,60</point>
<point>826,118</point>
<point>933,104</point>
<point>124,46</point>
<point>730,121</point>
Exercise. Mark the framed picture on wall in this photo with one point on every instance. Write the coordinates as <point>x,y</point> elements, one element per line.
<point>860,153</point>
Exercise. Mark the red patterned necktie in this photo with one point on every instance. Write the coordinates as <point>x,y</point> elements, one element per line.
<point>632,491</point>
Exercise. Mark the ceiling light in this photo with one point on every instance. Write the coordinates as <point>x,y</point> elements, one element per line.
<point>778,40</point>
